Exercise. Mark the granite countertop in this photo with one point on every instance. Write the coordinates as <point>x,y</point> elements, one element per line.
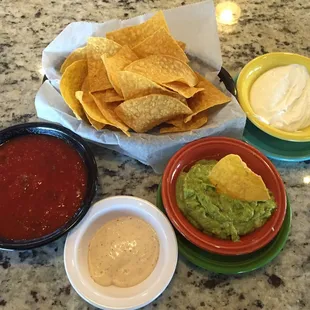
<point>36,279</point>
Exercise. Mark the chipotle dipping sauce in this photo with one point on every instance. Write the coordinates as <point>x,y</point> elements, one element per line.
<point>42,185</point>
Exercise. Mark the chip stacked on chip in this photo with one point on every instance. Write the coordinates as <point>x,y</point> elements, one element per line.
<point>137,78</point>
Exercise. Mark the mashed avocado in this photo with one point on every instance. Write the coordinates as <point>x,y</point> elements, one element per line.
<point>214,213</point>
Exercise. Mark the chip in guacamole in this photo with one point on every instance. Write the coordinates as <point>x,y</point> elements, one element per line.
<point>216,213</point>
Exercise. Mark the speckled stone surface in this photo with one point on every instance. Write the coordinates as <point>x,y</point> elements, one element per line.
<point>36,279</point>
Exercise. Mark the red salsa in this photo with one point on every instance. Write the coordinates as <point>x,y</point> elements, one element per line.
<point>42,184</point>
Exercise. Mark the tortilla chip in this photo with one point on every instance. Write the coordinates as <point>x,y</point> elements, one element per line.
<point>196,122</point>
<point>183,89</point>
<point>143,114</point>
<point>71,81</point>
<point>78,54</point>
<point>95,124</point>
<point>85,86</point>
<point>116,63</point>
<point>90,107</point>
<point>102,108</point>
<point>163,69</point>
<point>232,177</point>
<point>133,35</point>
<point>108,111</point>
<point>97,46</point>
<point>182,45</point>
<point>160,43</point>
<point>110,95</point>
<point>98,77</point>
<point>134,85</point>
<point>206,99</point>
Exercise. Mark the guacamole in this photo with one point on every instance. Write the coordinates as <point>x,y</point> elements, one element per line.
<point>214,213</point>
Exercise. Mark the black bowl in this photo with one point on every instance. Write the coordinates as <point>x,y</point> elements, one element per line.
<point>87,156</point>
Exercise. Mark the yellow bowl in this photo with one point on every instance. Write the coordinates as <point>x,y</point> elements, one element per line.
<point>249,75</point>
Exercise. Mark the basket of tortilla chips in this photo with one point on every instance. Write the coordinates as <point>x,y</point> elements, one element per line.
<point>138,80</point>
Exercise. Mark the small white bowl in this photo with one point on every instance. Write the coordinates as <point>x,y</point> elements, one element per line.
<point>112,297</point>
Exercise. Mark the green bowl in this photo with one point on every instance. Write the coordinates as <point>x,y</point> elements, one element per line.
<point>276,148</point>
<point>232,264</point>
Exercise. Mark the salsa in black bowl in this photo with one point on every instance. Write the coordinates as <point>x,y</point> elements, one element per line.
<point>48,178</point>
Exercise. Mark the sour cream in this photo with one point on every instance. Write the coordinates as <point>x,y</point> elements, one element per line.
<point>281,97</point>
<point>123,252</point>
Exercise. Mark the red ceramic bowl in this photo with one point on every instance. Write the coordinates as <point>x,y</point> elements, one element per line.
<point>217,148</point>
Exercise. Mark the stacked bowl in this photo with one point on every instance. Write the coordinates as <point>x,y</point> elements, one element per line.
<point>253,250</point>
<point>273,142</point>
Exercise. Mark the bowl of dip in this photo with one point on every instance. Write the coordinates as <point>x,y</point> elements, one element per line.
<point>209,219</point>
<point>122,255</point>
<point>48,178</point>
<point>274,92</point>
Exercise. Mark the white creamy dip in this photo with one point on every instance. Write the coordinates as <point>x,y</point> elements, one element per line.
<point>281,97</point>
<point>123,252</point>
